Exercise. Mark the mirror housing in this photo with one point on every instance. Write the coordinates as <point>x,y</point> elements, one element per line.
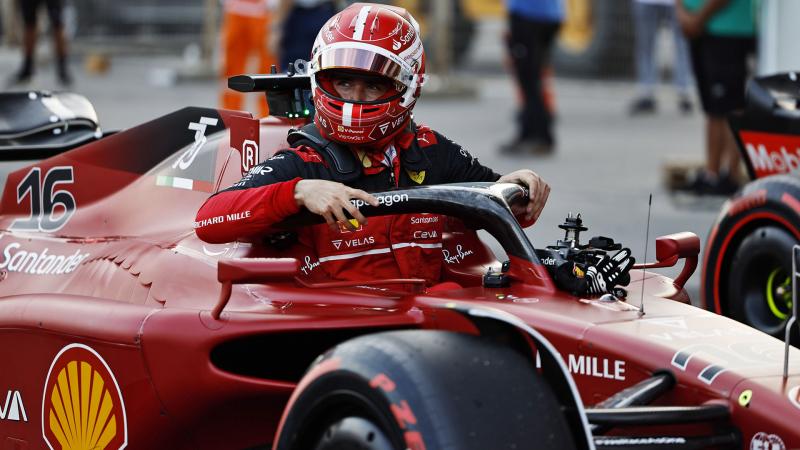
<point>671,248</point>
<point>251,270</point>
<point>678,245</point>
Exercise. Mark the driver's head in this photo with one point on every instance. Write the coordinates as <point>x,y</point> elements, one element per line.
<point>358,86</point>
<point>367,69</point>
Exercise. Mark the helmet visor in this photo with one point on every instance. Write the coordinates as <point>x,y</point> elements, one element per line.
<point>365,59</point>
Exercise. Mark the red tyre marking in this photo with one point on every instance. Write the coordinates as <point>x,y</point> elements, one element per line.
<point>791,202</point>
<point>383,382</point>
<point>745,220</point>
<point>749,201</point>
<point>402,412</point>
<point>414,440</point>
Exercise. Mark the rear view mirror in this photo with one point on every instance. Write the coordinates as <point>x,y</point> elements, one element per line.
<point>256,270</point>
<point>671,248</point>
<point>251,270</point>
<point>678,245</point>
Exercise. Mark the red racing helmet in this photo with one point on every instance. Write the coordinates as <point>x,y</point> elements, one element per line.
<point>373,40</point>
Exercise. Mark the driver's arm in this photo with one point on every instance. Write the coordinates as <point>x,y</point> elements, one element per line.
<point>273,191</point>
<point>538,191</point>
<point>264,196</point>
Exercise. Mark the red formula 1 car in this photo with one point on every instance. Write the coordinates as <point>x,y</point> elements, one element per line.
<point>120,328</point>
<point>748,258</point>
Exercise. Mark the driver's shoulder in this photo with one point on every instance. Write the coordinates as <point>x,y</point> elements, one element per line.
<point>436,145</point>
<point>426,136</point>
<point>300,153</point>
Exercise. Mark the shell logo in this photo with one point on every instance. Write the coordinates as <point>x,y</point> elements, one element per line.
<point>82,407</point>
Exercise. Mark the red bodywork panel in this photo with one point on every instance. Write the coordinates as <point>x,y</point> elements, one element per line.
<point>105,289</point>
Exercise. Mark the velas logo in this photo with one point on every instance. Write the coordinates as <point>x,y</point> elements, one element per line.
<point>394,123</point>
<point>82,407</point>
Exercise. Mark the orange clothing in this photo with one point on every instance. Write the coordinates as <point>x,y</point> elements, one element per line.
<point>244,33</point>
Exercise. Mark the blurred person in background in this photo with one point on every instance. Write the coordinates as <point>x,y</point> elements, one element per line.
<point>649,16</point>
<point>295,26</point>
<point>245,29</point>
<point>533,25</point>
<point>29,10</point>
<point>721,39</point>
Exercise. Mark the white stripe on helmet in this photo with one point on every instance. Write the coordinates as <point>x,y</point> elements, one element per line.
<point>347,114</point>
<point>361,21</point>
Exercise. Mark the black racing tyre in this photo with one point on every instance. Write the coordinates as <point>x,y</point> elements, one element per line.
<point>747,258</point>
<point>419,389</point>
<point>596,39</point>
<point>760,277</point>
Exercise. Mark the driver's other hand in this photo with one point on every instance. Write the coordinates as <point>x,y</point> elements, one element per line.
<point>539,191</point>
<point>331,200</point>
<point>608,272</point>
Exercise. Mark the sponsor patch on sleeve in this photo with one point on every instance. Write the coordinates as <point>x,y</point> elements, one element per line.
<point>308,154</point>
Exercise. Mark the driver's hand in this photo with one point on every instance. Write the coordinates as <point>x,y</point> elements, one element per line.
<point>607,272</point>
<point>539,191</point>
<point>330,200</point>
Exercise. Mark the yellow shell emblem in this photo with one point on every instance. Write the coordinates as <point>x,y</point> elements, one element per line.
<point>82,408</point>
<point>418,177</point>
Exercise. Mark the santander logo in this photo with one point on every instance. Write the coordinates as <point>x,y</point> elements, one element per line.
<point>771,154</point>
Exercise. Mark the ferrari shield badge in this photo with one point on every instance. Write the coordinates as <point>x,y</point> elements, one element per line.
<point>418,177</point>
<point>82,407</point>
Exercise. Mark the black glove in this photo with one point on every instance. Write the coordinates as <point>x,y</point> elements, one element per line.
<point>598,278</point>
<point>607,272</point>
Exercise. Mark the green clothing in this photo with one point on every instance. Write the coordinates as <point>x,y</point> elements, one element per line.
<point>737,18</point>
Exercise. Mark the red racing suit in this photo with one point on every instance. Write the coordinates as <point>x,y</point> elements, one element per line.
<point>400,246</point>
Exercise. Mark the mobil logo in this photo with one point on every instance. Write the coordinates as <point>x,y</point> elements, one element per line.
<point>770,154</point>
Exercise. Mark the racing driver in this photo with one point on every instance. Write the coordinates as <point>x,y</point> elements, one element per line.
<point>367,69</point>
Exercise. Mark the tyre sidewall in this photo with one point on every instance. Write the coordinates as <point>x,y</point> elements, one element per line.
<point>764,202</point>
<point>426,392</point>
<point>767,243</point>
